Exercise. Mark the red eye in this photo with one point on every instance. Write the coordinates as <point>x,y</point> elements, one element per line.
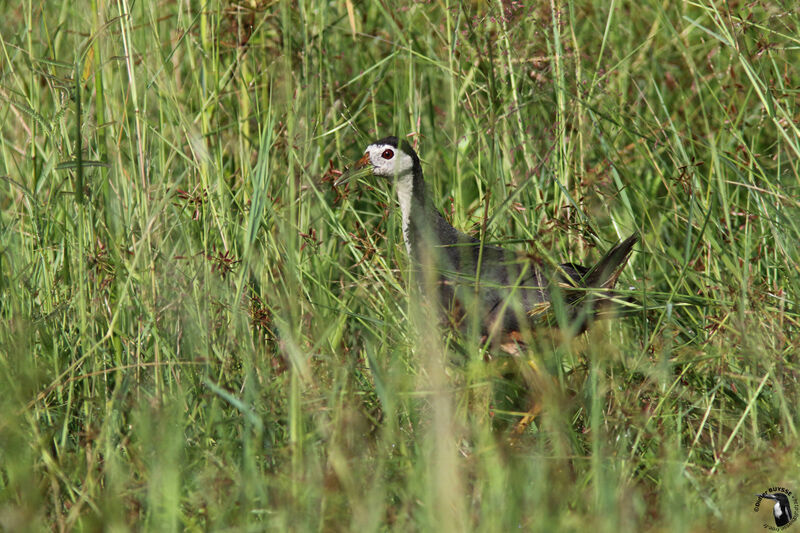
<point>387,154</point>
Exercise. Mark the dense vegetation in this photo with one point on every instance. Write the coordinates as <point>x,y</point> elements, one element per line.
<point>198,330</point>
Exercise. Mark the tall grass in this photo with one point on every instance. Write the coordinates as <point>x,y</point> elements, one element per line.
<point>199,331</point>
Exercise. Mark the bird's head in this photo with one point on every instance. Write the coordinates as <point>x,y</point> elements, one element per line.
<point>777,496</point>
<point>388,158</point>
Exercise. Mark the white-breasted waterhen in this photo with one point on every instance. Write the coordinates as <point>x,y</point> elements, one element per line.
<point>506,292</point>
<point>782,511</point>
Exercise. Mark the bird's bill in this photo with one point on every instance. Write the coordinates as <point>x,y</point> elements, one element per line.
<point>363,162</point>
<point>360,169</point>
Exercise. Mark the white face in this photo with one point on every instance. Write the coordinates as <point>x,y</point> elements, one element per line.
<point>388,161</point>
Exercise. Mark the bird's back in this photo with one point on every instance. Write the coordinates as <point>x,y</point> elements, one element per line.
<point>504,290</point>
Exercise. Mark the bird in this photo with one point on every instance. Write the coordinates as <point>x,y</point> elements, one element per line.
<point>467,275</point>
<point>782,511</point>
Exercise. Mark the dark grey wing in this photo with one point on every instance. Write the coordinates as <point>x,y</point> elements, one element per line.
<point>509,289</point>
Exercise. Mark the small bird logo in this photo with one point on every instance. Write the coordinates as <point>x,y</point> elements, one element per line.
<point>782,511</point>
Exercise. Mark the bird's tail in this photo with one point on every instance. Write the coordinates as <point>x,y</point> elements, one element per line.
<point>605,273</point>
<point>587,292</point>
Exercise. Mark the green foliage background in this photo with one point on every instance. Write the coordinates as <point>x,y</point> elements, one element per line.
<point>198,331</point>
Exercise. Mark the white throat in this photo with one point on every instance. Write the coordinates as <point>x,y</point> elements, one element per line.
<point>405,184</point>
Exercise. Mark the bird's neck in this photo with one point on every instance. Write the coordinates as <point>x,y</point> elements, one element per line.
<point>406,196</point>
<point>421,221</point>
